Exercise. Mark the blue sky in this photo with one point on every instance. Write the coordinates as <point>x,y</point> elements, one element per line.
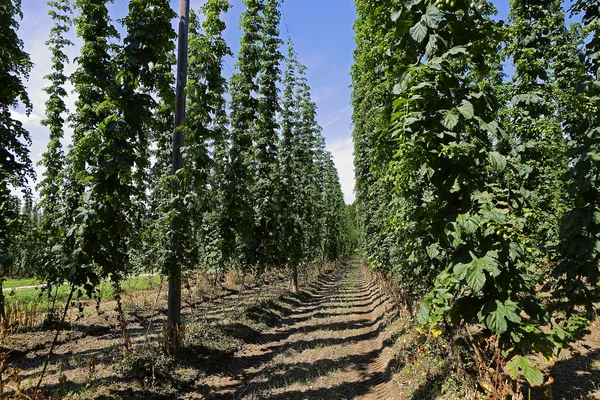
<point>323,35</point>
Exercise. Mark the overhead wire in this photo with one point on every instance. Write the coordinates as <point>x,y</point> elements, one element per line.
<point>287,27</point>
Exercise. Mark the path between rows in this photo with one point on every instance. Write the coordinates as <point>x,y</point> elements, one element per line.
<point>330,347</point>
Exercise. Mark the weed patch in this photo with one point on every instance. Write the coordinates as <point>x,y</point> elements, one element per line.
<point>430,368</point>
<point>266,312</point>
<point>241,331</point>
<point>151,367</point>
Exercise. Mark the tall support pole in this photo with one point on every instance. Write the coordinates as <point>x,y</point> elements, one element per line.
<point>174,301</point>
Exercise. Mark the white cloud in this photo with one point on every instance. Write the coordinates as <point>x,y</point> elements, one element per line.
<point>343,156</point>
<point>322,93</point>
<point>32,119</point>
<point>331,122</point>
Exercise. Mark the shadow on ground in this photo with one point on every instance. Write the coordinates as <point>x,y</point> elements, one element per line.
<point>577,378</point>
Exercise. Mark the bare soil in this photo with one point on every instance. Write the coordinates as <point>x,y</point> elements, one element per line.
<point>85,364</point>
<point>341,337</point>
<point>577,374</point>
<point>330,347</point>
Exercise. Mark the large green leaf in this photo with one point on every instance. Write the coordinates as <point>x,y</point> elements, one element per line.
<point>434,250</point>
<point>432,16</point>
<point>522,365</point>
<point>497,161</point>
<point>450,119</point>
<point>494,215</point>
<point>418,32</point>
<point>423,314</point>
<point>453,235</point>
<point>466,109</point>
<point>473,273</point>
<point>468,223</point>
<point>497,320</point>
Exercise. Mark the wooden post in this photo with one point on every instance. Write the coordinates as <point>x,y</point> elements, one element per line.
<point>174,300</point>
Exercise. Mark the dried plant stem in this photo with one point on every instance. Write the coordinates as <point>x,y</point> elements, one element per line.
<point>54,342</point>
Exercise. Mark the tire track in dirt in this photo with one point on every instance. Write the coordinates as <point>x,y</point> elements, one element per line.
<point>330,347</point>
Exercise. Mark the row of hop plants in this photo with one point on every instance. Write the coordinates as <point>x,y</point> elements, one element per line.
<point>257,189</point>
<point>476,190</point>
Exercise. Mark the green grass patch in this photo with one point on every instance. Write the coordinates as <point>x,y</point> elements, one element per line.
<point>28,297</point>
<point>12,283</point>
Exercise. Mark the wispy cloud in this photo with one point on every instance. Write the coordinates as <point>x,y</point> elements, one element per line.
<point>322,93</point>
<point>32,119</point>
<point>343,156</point>
<point>332,119</point>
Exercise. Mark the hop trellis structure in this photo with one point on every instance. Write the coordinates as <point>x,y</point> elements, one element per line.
<point>107,203</point>
<point>462,175</point>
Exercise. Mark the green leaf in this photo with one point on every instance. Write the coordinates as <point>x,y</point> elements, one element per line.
<point>522,365</point>
<point>473,273</point>
<point>450,119</point>
<point>496,322</point>
<point>497,319</point>
<point>527,98</point>
<point>461,270</point>
<point>490,263</point>
<point>482,197</point>
<point>476,277</point>
<point>411,3</point>
<point>466,109</point>
<point>432,16</point>
<point>497,161</point>
<point>423,314</point>
<point>418,32</point>
<point>453,235</point>
<point>467,222</point>
<point>491,127</point>
<point>433,250</point>
<point>455,50</point>
<point>431,45</point>
<point>456,185</point>
<point>494,215</point>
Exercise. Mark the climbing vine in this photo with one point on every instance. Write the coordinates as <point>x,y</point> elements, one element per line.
<point>461,175</point>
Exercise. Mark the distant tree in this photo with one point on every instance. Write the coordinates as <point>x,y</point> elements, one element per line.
<point>309,150</point>
<point>293,245</point>
<point>313,221</point>
<point>29,242</point>
<point>536,33</point>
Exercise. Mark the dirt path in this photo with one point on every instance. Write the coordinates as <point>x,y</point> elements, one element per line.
<point>330,347</point>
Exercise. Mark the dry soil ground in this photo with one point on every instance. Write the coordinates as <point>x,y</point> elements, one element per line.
<point>342,337</point>
<point>330,347</point>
